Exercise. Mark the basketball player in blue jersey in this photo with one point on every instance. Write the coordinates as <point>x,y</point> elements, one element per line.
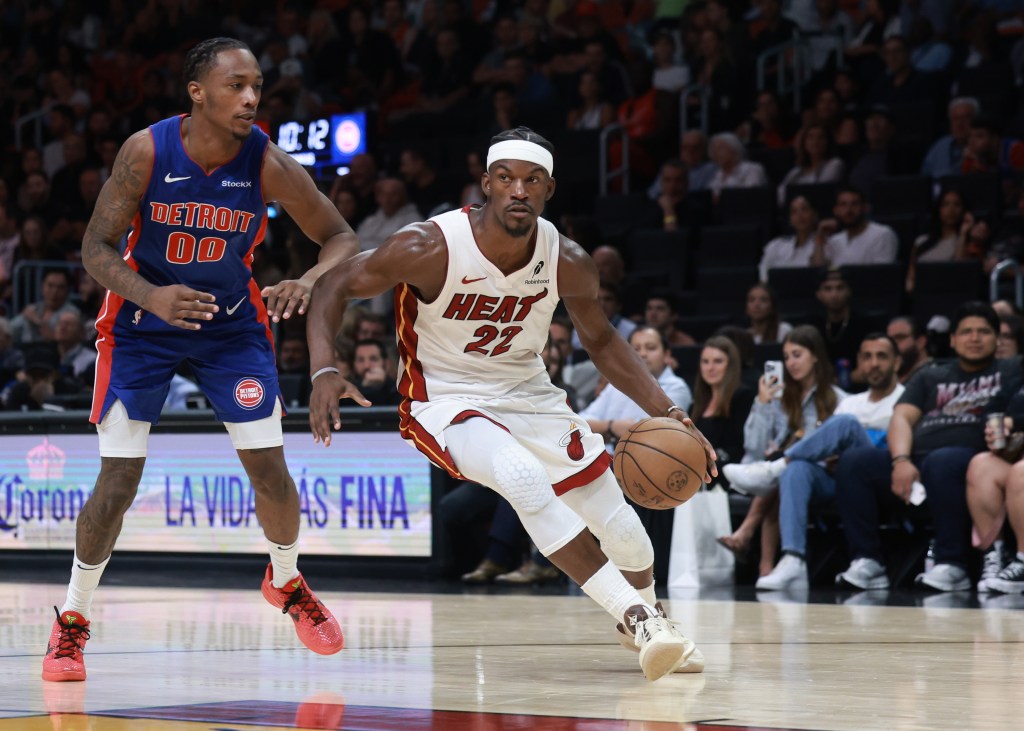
<point>475,292</point>
<point>191,192</point>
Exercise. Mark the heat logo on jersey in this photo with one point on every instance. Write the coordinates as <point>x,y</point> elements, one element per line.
<point>572,440</point>
<point>495,309</point>
<point>249,393</point>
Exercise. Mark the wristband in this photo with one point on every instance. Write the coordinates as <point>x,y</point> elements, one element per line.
<point>327,369</point>
<point>900,458</point>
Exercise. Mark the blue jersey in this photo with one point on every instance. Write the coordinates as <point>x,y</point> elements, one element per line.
<point>200,230</point>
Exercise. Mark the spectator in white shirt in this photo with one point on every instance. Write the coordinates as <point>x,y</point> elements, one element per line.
<point>797,249</point>
<point>816,161</point>
<point>613,412</point>
<point>732,171</point>
<point>859,242</point>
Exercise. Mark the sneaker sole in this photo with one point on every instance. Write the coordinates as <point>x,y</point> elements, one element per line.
<point>65,676</point>
<point>964,585</point>
<point>692,663</point>
<point>658,659</point>
<point>1006,587</point>
<point>878,583</point>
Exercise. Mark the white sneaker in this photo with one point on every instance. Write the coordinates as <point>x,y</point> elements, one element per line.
<point>1010,580</point>
<point>756,478</point>
<point>694,662</point>
<point>944,577</point>
<point>662,647</point>
<point>789,573</point>
<point>864,573</point>
<point>992,563</point>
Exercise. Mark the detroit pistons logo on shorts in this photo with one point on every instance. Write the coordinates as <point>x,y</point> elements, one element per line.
<point>572,440</point>
<point>249,393</point>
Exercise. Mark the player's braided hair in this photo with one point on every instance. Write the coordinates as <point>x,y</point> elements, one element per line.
<point>523,133</point>
<point>203,56</point>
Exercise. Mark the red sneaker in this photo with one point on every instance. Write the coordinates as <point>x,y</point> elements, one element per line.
<point>63,659</point>
<point>314,624</point>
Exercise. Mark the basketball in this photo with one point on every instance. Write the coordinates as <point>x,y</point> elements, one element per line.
<point>659,463</point>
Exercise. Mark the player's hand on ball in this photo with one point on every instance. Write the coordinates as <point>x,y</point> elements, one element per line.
<point>708,449</point>
<point>180,305</point>
<point>328,390</point>
<point>287,297</point>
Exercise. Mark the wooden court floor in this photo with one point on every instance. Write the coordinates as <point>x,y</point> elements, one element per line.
<point>183,659</point>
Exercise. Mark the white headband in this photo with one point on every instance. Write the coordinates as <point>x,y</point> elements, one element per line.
<point>520,150</point>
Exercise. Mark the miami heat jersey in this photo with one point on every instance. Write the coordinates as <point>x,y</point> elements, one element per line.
<point>483,334</point>
<point>200,230</point>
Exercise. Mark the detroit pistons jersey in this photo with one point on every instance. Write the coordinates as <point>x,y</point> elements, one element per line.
<point>200,230</point>
<point>483,334</point>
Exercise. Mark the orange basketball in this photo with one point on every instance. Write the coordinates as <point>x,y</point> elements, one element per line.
<point>659,463</point>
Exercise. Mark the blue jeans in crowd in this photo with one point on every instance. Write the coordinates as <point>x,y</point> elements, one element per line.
<point>805,481</point>
<point>864,490</point>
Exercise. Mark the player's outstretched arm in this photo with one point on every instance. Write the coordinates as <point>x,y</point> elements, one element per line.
<point>116,206</point>
<point>415,255</point>
<point>614,358</point>
<point>288,183</point>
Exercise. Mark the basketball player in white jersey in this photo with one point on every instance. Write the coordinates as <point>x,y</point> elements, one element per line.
<point>475,292</point>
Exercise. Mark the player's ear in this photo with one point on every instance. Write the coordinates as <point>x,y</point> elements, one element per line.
<point>195,92</point>
<point>485,183</point>
<point>551,189</point>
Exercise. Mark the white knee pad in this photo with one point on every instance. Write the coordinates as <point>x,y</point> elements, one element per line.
<point>521,478</point>
<point>487,454</point>
<point>625,541</point>
<point>614,522</point>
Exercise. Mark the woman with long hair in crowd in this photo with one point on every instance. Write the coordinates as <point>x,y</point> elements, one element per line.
<point>781,414</point>
<point>763,312</point>
<point>720,401</point>
<point>797,248</point>
<point>946,239</point>
<point>816,160</point>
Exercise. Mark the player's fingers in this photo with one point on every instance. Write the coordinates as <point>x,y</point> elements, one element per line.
<point>353,393</point>
<point>178,322</point>
<point>303,303</point>
<point>194,294</point>
<point>293,302</point>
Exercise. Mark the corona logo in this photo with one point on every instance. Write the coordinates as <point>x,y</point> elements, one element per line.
<point>46,462</point>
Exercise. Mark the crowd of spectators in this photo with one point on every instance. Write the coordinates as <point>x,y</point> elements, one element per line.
<point>901,152</point>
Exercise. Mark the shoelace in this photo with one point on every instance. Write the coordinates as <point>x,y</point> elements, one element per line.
<point>70,637</point>
<point>309,606</point>
<point>993,564</point>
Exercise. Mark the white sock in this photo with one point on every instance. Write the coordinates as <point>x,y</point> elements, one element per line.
<point>648,595</point>
<point>609,588</point>
<point>284,559</point>
<point>84,580</point>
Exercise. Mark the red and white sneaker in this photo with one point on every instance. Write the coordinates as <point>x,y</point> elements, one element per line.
<point>314,624</point>
<point>64,659</point>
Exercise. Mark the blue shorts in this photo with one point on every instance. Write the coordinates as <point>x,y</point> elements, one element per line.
<point>235,368</point>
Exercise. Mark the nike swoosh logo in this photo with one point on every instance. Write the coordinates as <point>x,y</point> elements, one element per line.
<point>466,280</point>
<point>231,310</point>
<point>169,179</point>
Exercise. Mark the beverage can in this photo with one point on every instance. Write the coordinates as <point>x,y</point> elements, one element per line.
<point>994,421</point>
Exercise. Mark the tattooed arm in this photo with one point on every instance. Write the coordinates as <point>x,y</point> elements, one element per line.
<point>115,208</point>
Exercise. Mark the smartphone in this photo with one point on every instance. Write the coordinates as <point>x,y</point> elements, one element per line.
<point>773,372</point>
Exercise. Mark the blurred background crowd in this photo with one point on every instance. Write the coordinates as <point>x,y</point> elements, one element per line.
<point>739,169</point>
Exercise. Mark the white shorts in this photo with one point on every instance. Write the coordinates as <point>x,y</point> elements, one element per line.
<point>536,414</point>
<point>128,438</point>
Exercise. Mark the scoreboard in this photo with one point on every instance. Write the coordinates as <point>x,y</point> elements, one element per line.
<point>324,144</point>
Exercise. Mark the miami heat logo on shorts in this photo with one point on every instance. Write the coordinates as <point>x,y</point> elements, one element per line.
<point>249,393</point>
<point>572,440</point>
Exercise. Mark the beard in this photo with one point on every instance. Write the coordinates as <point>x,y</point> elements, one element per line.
<point>518,231</point>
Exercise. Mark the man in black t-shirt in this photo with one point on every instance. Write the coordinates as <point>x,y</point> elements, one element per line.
<point>936,428</point>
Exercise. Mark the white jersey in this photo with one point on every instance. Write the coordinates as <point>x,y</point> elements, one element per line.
<point>483,335</point>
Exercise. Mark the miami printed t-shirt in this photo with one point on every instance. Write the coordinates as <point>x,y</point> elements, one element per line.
<point>953,403</point>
